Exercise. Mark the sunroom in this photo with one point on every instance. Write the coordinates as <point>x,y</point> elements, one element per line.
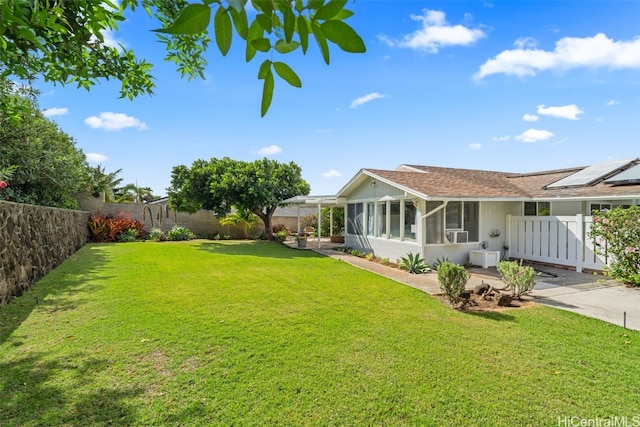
<point>391,219</point>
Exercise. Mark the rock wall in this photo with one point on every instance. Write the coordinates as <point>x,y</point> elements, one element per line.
<point>33,241</point>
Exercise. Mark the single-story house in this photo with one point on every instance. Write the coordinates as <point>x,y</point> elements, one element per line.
<point>483,216</point>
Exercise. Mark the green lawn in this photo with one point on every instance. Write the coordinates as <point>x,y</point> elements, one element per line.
<point>254,333</point>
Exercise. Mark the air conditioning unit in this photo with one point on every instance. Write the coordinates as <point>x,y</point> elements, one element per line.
<point>457,236</point>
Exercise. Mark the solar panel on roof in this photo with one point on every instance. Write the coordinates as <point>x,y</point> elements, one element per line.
<point>630,176</point>
<point>591,174</point>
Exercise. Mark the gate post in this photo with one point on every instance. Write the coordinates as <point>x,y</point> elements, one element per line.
<point>507,237</point>
<point>580,242</point>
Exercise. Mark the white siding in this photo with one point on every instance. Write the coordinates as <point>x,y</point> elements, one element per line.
<point>566,207</point>
<point>493,217</point>
<point>366,191</point>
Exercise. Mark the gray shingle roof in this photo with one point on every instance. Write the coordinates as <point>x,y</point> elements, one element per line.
<point>471,183</point>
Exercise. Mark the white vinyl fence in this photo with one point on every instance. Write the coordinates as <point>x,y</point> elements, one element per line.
<point>561,240</point>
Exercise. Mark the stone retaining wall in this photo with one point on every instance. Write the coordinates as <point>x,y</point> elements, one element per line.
<point>33,241</point>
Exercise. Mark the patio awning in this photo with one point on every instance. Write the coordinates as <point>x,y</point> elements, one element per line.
<point>320,202</point>
<point>316,200</point>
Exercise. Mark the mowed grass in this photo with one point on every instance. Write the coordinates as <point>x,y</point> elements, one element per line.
<point>255,333</point>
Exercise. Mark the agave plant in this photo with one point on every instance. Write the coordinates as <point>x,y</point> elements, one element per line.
<point>414,264</point>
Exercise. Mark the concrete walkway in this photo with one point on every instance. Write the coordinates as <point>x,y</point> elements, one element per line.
<point>587,294</point>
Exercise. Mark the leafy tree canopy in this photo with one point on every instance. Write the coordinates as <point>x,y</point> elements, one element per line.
<point>63,41</point>
<point>46,167</point>
<point>222,184</point>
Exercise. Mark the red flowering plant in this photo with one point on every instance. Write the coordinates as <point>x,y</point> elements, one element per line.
<point>5,174</point>
<point>616,235</point>
<point>108,228</point>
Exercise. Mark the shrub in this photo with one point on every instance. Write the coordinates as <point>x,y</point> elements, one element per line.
<point>439,261</point>
<point>281,235</point>
<point>453,279</point>
<point>107,228</point>
<point>278,228</point>
<point>130,235</point>
<point>178,233</point>
<point>413,264</point>
<point>157,235</point>
<point>518,278</point>
<point>616,235</point>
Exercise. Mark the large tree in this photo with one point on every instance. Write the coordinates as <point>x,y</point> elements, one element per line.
<point>220,185</point>
<point>47,168</point>
<point>63,41</point>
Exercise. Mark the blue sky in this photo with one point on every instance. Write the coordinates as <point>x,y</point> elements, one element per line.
<point>503,85</point>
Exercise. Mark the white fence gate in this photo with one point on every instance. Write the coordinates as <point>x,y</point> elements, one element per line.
<point>562,240</point>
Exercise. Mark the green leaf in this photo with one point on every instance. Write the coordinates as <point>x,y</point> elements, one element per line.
<point>263,45</point>
<point>194,19</point>
<point>255,32</point>
<point>343,14</point>
<point>289,24</point>
<point>282,46</point>
<point>303,32</point>
<point>265,68</point>
<point>263,6</point>
<point>321,40</point>
<point>265,22</point>
<point>240,22</point>
<point>267,93</point>
<point>238,5</point>
<point>223,30</point>
<point>344,36</point>
<point>287,74</point>
<point>330,10</point>
<point>314,4</point>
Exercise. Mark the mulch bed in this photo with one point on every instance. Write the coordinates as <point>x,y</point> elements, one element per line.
<point>480,303</point>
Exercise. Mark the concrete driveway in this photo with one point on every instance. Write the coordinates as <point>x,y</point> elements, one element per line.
<point>589,295</point>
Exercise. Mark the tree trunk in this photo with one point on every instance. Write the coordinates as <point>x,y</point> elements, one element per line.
<point>266,219</point>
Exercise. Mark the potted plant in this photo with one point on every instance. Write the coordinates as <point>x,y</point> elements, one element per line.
<point>337,238</point>
<point>301,238</point>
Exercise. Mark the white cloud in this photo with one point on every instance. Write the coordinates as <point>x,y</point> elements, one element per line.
<point>501,138</point>
<point>534,135</point>
<point>332,174</point>
<point>475,146</point>
<point>367,98</point>
<point>570,112</point>
<point>530,118</point>
<point>436,33</point>
<point>114,122</point>
<point>96,157</point>
<point>55,111</point>
<point>598,51</point>
<point>109,39</point>
<point>525,43</point>
<point>612,103</point>
<point>270,150</point>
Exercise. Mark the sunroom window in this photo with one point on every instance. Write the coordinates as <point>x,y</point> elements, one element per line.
<point>371,217</point>
<point>354,218</point>
<point>456,215</point>
<point>394,208</point>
